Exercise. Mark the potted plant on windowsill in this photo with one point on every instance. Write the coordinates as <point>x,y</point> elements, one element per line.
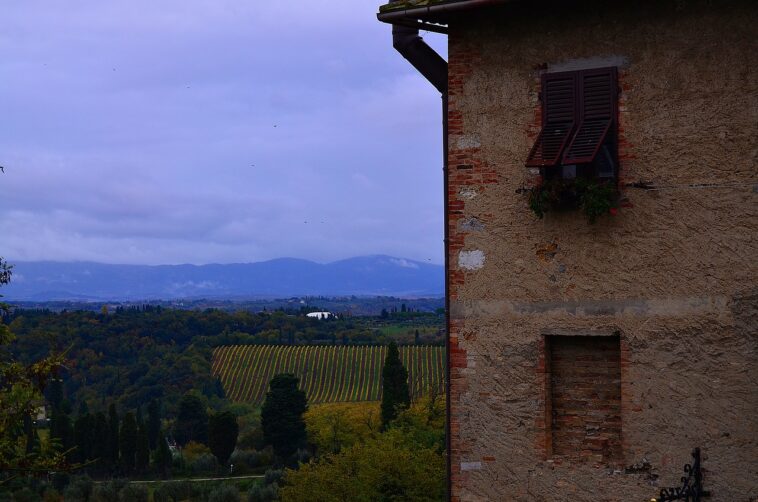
<point>594,197</point>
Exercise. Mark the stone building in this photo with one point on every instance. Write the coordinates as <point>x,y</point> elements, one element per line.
<point>587,360</point>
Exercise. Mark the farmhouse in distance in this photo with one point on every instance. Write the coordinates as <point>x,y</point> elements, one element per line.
<point>600,195</point>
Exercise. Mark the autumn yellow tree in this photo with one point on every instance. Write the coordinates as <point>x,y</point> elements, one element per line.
<point>21,388</point>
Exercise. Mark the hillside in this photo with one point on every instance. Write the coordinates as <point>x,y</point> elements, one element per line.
<point>327,373</point>
<point>367,275</point>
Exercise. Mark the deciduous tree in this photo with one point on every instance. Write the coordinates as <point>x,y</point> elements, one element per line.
<point>21,390</point>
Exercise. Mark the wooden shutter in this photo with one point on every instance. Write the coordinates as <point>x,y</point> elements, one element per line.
<point>559,95</point>
<point>597,114</point>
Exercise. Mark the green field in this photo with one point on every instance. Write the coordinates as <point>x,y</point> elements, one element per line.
<point>327,373</point>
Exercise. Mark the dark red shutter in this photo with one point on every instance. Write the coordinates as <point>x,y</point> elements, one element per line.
<point>597,113</point>
<point>558,118</point>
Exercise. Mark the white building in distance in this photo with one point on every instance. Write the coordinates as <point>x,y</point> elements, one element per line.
<point>320,315</point>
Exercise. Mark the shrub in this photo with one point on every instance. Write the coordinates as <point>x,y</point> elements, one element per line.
<point>273,476</point>
<point>175,491</point>
<point>260,493</point>
<point>205,463</point>
<point>78,490</point>
<point>108,492</point>
<point>51,495</point>
<point>194,450</point>
<point>252,439</point>
<point>26,494</point>
<point>133,493</point>
<point>224,493</point>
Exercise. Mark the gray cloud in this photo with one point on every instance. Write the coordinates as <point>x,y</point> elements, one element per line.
<point>213,131</point>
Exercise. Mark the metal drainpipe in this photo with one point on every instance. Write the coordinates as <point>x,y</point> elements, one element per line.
<point>448,463</point>
<point>431,65</point>
<point>413,48</point>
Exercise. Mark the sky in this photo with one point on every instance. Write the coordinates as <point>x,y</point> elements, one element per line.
<point>214,131</point>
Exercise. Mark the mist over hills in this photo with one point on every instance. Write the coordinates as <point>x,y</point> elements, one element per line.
<point>364,275</point>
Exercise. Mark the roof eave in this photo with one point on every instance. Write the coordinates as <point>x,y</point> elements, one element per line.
<point>435,12</point>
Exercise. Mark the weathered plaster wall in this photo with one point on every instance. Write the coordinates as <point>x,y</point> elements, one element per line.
<point>675,272</point>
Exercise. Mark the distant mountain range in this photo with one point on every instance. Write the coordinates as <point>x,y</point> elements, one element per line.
<point>284,277</point>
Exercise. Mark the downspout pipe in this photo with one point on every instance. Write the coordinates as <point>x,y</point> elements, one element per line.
<point>412,47</point>
<point>407,42</point>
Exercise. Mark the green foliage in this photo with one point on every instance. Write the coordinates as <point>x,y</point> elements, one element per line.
<point>61,428</point>
<point>100,440</point>
<point>153,423</point>
<point>128,441</point>
<point>406,462</point>
<point>131,356</point>
<point>597,199</point>
<point>594,198</point>
<point>162,458</point>
<point>83,435</point>
<point>386,468</point>
<point>224,493</point>
<point>21,392</point>
<point>108,491</point>
<point>113,429</point>
<point>133,493</point>
<point>395,395</point>
<point>79,489</point>
<point>176,491</point>
<point>222,435</point>
<point>258,493</point>
<point>142,453</point>
<point>192,420</point>
<point>334,426</point>
<point>282,415</point>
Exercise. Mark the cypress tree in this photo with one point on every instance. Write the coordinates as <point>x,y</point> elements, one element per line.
<point>395,395</point>
<point>113,423</point>
<point>62,430</point>
<point>162,455</point>
<point>153,423</point>
<point>100,440</point>
<point>142,454</point>
<point>282,415</point>
<point>55,394</point>
<point>83,434</point>
<point>222,435</point>
<point>192,421</point>
<point>128,441</point>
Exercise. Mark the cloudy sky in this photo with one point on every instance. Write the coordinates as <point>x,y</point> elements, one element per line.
<point>201,131</point>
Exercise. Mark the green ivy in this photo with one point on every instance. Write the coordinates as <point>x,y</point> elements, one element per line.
<point>593,197</point>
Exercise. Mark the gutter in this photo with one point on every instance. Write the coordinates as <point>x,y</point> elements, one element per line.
<point>414,13</point>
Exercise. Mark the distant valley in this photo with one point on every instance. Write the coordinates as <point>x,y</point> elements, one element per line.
<point>84,281</point>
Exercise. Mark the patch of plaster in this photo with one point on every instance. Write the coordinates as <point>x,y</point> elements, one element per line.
<point>471,260</point>
<point>468,141</point>
<point>467,193</point>
<point>471,224</point>
<point>471,466</point>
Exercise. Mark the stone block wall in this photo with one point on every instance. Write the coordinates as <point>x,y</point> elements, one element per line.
<point>673,276</point>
